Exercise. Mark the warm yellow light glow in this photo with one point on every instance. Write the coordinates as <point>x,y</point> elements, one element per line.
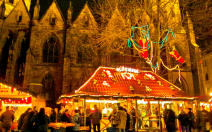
<point>150,76</point>
<point>210,94</point>
<point>17,105</point>
<point>108,73</point>
<point>204,104</point>
<point>128,76</point>
<point>107,110</point>
<point>102,101</point>
<point>126,69</point>
<point>105,83</point>
<point>153,102</point>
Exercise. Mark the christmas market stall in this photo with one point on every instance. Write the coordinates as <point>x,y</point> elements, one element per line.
<point>18,101</point>
<point>204,102</point>
<point>143,94</point>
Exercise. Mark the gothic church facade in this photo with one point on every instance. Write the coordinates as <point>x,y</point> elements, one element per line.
<point>51,48</point>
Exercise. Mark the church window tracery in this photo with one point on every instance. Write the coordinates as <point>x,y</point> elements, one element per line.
<point>51,51</point>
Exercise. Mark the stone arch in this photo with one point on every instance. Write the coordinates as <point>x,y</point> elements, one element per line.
<point>21,61</point>
<point>48,89</point>
<point>6,53</point>
<point>182,84</point>
<point>19,71</point>
<point>51,50</point>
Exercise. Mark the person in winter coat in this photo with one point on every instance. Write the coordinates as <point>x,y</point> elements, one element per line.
<point>170,120</point>
<point>41,121</point>
<point>96,118</point>
<point>190,120</point>
<point>28,122</point>
<point>113,119</point>
<point>76,120</point>
<point>7,119</point>
<point>88,118</point>
<point>53,116</point>
<point>133,115</point>
<point>183,119</point>
<point>21,119</point>
<point>65,117</point>
<point>122,116</point>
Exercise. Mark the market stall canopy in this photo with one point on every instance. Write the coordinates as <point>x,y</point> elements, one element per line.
<point>128,82</point>
<point>205,98</point>
<point>9,94</point>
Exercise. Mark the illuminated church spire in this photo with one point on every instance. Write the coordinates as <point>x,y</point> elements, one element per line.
<point>2,10</point>
<point>69,13</point>
<point>36,11</point>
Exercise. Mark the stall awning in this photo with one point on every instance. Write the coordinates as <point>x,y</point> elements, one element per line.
<point>205,98</point>
<point>124,81</point>
<point>10,95</point>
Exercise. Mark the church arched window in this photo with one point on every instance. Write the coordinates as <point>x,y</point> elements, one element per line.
<point>7,53</point>
<point>51,51</point>
<point>181,83</point>
<point>52,20</point>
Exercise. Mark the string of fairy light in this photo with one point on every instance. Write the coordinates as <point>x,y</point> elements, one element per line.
<point>10,95</point>
<point>146,49</point>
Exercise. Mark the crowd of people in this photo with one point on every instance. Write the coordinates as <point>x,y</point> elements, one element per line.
<point>125,121</point>
<point>29,121</point>
<point>120,120</point>
<point>188,121</point>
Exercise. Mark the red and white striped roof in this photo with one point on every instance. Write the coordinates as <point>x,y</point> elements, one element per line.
<point>126,81</point>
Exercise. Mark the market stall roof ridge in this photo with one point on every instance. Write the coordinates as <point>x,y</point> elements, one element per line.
<point>10,92</point>
<point>128,82</point>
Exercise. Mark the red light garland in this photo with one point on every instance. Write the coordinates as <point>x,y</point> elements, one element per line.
<point>17,97</point>
<point>26,100</point>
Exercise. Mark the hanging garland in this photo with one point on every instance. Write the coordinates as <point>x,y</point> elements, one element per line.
<point>145,48</point>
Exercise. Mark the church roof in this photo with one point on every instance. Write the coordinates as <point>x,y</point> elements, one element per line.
<point>107,81</point>
<point>77,6</point>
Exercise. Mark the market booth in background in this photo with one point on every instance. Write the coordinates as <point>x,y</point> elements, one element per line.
<point>144,92</point>
<point>205,102</point>
<point>18,101</point>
